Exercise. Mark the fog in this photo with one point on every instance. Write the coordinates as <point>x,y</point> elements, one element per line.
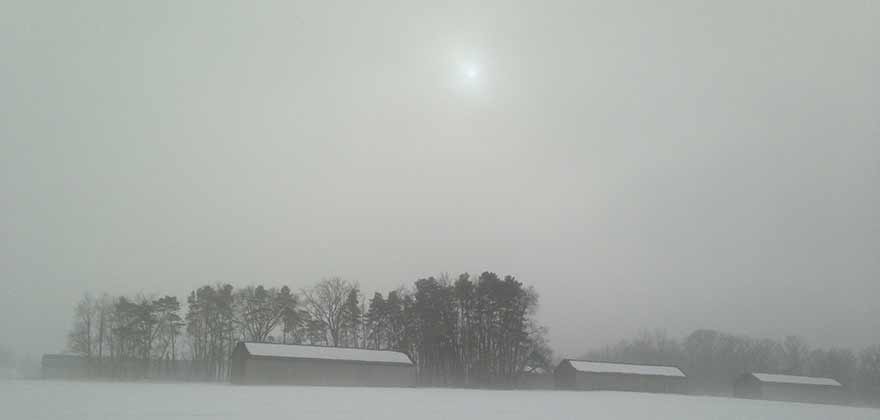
<point>674,166</point>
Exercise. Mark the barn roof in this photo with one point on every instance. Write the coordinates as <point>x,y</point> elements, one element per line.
<point>294,351</point>
<point>798,380</point>
<point>626,368</point>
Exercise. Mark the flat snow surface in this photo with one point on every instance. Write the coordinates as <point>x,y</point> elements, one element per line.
<point>328,353</point>
<point>602,367</point>
<point>789,379</point>
<point>58,400</point>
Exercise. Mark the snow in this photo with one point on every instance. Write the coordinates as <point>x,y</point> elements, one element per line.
<point>789,379</point>
<point>326,353</point>
<point>603,367</point>
<point>45,400</point>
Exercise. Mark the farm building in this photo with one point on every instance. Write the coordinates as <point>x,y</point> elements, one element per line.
<point>587,375</point>
<point>789,388</point>
<point>64,366</point>
<point>267,363</point>
<point>535,378</point>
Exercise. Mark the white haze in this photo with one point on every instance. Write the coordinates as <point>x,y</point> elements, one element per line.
<point>673,165</point>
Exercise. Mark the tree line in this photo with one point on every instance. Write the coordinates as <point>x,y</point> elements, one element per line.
<point>714,359</point>
<point>473,331</point>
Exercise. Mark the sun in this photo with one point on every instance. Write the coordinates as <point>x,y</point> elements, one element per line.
<point>470,72</point>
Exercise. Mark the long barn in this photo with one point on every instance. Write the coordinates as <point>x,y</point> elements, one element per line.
<point>589,375</point>
<point>267,363</point>
<point>64,366</point>
<point>789,388</point>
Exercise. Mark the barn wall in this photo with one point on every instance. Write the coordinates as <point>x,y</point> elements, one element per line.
<point>64,367</point>
<point>635,383</point>
<point>69,371</point>
<point>747,387</point>
<point>564,376</point>
<point>803,393</point>
<point>535,381</point>
<point>333,373</point>
<point>237,364</point>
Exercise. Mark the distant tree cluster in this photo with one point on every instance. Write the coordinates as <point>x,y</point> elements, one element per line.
<point>713,359</point>
<point>472,332</point>
<point>123,328</point>
<point>478,332</point>
<point>7,358</point>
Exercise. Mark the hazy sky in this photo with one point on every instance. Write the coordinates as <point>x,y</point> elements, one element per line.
<point>674,165</point>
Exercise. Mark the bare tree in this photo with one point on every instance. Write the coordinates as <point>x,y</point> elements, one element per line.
<point>326,303</point>
<point>260,311</point>
<point>168,326</point>
<point>869,373</point>
<point>104,310</point>
<point>210,326</point>
<point>795,352</point>
<point>838,363</point>
<point>80,339</point>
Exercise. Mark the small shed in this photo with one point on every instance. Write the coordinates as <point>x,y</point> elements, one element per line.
<point>64,366</point>
<point>268,363</point>
<point>590,375</point>
<point>789,388</point>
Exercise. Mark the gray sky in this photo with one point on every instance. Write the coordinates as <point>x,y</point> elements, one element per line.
<point>678,165</point>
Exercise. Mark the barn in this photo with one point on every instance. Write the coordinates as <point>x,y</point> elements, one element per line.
<point>269,363</point>
<point>64,366</point>
<point>535,378</point>
<point>789,388</point>
<point>589,375</point>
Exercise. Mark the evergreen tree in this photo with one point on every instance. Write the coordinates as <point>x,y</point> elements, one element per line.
<point>352,318</point>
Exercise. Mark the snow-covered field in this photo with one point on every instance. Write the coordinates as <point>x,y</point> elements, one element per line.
<point>82,400</point>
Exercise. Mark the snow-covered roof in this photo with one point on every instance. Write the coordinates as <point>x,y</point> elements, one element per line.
<point>536,370</point>
<point>799,380</point>
<point>625,368</point>
<point>294,351</point>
